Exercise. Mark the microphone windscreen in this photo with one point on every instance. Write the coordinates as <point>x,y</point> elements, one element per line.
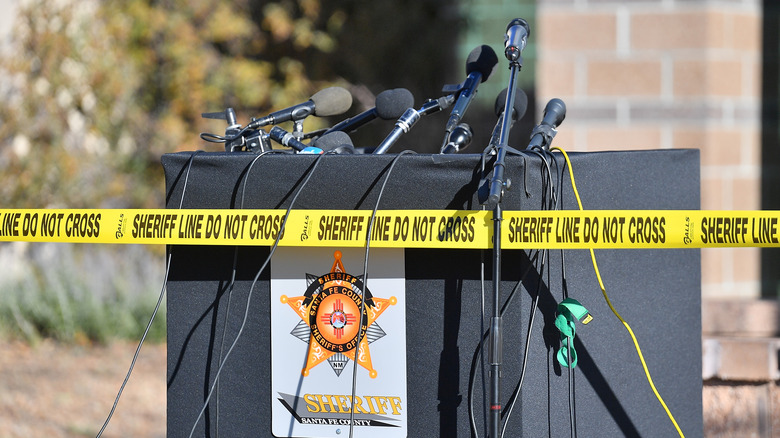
<point>338,141</point>
<point>521,104</point>
<point>331,101</point>
<point>391,104</point>
<point>519,22</point>
<point>555,112</point>
<point>482,59</point>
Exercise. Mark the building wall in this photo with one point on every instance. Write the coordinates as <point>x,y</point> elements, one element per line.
<point>659,74</point>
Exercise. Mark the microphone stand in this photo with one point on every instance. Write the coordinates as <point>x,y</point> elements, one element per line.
<point>497,187</point>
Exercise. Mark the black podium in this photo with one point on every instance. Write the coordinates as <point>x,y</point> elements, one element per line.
<point>656,291</point>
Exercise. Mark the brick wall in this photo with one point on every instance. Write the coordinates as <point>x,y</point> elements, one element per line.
<point>665,74</point>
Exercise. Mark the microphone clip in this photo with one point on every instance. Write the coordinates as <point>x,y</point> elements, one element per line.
<point>236,138</point>
<point>454,88</point>
<point>471,80</point>
<point>547,132</point>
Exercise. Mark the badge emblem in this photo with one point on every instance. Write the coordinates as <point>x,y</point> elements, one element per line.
<point>337,315</point>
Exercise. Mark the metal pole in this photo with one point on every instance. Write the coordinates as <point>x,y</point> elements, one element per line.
<point>497,187</point>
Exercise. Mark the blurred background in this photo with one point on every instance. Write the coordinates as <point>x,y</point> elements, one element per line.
<point>92,93</point>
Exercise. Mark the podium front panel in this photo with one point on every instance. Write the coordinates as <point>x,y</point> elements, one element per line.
<point>657,291</point>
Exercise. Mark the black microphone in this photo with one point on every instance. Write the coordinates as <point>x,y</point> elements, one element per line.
<point>284,138</point>
<point>515,40</point>
<point>519,108</point>
<point>459,139</point>
<point>543,133</point>
<point>327,102</point>
<point>410,117</point>
<point>480,65</point>
<point>390,105</point>
<point>337,142</point>
<point>518,111</point>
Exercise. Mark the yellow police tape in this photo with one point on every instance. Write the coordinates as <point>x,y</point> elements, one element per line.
<point>397,228</point>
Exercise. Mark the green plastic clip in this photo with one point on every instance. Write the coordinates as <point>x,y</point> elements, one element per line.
<point>569,311</point>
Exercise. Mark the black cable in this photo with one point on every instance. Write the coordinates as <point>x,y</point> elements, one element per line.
<point>138,349</point>
<point>154,313</point>
<point>559,170</point>
<point>565,288</point>
<point>365,286</point>
<point>491,151</point>
<point>534,307</point>
<point>309,173</point>
<point>485,334</point>
<point>482,329</point>
<point>231,285</point>
<point>547,204</point>
<point>542,263</point>
<point>212,138</point>
<point>572,428</point>
<point>481,362</point>
<point>478,351</point>
<point>548,180</point>
<point>224,331</point>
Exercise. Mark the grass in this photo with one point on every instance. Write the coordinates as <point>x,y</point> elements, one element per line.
<point>79,293</point>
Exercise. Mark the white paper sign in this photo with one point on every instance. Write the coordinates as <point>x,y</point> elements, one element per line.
<point>318,302</point>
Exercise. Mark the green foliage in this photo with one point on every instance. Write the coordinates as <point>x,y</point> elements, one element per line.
<point>98,91</point>
<point>94,92</point>
<point>77,294</point>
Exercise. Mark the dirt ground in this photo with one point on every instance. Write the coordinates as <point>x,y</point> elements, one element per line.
<point>53,390</point>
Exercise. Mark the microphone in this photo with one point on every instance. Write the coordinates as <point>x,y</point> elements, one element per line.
<point>284,138</point>
<point>515,40</point>
<point>543,133</point>
<point>520,104</point>
<point>480,65</point>
<point>459,139</point>
<point>518,111</point>
<point>410,117</point>
<point>337,142</point>
<point>390,104</point>
<point>330,101</point>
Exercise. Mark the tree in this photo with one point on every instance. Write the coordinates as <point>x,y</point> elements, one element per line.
<point>98,91</point>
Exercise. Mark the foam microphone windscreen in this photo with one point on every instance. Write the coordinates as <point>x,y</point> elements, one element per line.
<point>483,60</point>
<point>336,141</point>
<point>520,106</point>
<point>331,101</point>
<point>391,104</point>
<point>554,112</point>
